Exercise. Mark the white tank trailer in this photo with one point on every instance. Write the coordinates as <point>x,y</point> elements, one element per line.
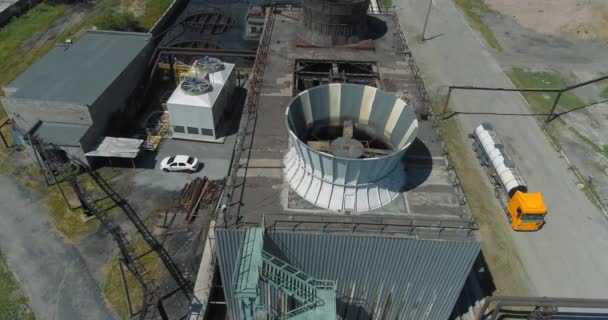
<point>525,211</point>
<point>498,159</point>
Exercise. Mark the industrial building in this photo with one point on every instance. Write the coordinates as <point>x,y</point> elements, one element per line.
<point>327,276</point>
<point>350,209</point>
<point>198,104</point>
<point>78,96</point>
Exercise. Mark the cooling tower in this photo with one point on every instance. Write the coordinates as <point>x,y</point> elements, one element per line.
<point>347,144</point>
<point>335,22</point>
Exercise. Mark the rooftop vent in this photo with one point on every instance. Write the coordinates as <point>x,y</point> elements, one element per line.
<point>208,65</point>
<point>195,86</point>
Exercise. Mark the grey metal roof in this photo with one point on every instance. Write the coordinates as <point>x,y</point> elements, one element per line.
<point>80,73</point>
<point>116,147</point>
<point>61,134</point>
<point>392,278</point>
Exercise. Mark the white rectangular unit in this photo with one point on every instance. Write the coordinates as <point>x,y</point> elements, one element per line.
<point>197,105</point>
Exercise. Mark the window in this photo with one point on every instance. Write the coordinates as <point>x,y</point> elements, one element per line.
<point>206,132</point>
<point>181,164</point>
<point>190,160</point>
<point>171,160</point>
<point>192,130</point>
<point>254,30</point>
<point>179,129</point>
<point>533,217</point>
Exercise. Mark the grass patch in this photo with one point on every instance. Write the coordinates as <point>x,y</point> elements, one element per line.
<point>601,149</point>
<point>542,102</point>
<point>604,93</point>
<point>113,286</point>
<point>386,3</point>
<point>17,32</point>
<point>497,245</point>
<point>154,9</point>
<point>69,223</point>
<point>13,303</point>
<point>473,10</point>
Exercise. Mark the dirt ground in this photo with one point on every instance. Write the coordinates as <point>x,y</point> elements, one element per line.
<point>584,19</point>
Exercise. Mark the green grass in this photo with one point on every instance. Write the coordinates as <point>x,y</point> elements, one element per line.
<point>386,3</point>
<point>473,10</point>
<point>69,223</point>
<point>601,149</point>
<point>13,303</point>
<point>604,93</point>
<point>154,9</point>
<point>542,102</point>
<point>113,288</point>
<point>18,32</point>
<point>497,244</point>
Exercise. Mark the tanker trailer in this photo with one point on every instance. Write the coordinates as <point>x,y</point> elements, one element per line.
<point>525,211</point>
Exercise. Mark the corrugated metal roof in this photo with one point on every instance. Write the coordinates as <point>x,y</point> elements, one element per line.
<point>80,73</point>
<point>386,277</point>
<point>61,134</point>
<point>116,147</point>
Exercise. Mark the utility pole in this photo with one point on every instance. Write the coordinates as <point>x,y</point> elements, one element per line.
<point>426,21</point>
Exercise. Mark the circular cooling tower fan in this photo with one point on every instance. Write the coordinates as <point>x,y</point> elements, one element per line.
<point>347,144</point>
<point>193,86</point>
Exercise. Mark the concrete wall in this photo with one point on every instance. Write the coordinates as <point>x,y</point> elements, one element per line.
<point>26,113</point>
<point>223,100</point>
<point>191,116</point>
<point>114,109</point>
<point>16,9</point>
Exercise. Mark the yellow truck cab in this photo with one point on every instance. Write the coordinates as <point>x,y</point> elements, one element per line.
<point>526,211</point>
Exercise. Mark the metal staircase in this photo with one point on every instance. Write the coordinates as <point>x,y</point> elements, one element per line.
<point>315,299</point>
<point>74,172</point>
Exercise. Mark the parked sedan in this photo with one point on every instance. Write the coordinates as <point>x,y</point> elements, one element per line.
<point>179,163</point>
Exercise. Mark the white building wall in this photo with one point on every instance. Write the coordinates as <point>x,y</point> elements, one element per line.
<point>190,117</point>
<point>200,117</point>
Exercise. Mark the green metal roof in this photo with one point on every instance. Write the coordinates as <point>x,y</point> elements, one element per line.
<point>81,72</point>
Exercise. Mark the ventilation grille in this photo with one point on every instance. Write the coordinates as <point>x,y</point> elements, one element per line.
<point>209,65</point>
<point>195,87</point>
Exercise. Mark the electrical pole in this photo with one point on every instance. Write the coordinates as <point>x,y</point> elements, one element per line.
<point>426,20</point>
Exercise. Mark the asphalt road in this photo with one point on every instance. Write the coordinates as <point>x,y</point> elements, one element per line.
<point>51,272</point>
<point>568,256</point>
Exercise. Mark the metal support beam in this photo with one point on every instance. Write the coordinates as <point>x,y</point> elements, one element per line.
<point>7,121</point>
<point>551,115</point>
<point>426,21</point>
<point>538,302</point>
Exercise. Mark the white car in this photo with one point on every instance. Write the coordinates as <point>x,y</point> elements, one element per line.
<point>179,163</point>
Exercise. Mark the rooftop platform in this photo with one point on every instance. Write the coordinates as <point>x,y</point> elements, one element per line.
<point>430,194</point>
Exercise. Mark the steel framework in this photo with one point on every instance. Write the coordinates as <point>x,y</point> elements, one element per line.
<point>248,120</point>
<point>552,115</point>
<point>311,73</point>
<point>316,299</point>
<point>543,307</point>
<point>74,171</point>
